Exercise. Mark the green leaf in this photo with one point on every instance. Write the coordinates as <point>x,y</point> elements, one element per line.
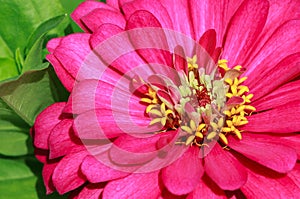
<point>70,7</point>
<point>34,59</point>
<point>28,95</point>
<point>4,49</point>
<point>14,133</point>
<point>19,19</point>
<point>23,188</point>
<point>7,68</point>
<point>14,143</point>
<point>12,169</point>
<point>44,28</point>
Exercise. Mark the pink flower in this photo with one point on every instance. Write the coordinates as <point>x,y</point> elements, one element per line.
<point>185,99</point>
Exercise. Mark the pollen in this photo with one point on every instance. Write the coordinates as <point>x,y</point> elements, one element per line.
<point>204,107</point>
<point>235,116</point>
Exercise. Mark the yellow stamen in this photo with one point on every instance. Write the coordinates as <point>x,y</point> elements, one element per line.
<point>187,129</point>
<point>211,135</point>
<point>223,138</point>
<point>156,112</point>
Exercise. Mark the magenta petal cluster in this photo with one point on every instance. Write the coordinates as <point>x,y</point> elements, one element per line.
<point>84,143</point>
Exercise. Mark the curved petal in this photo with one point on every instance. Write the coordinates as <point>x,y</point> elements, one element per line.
<point>62,140</point>
<point>41,155</point>
<point>99,16</point>
<point>91,191</point>
<point>208,14</point>
<point>86,126</point>
<point>66,78</point>
<point>85,8</point>
<point>160,14</point>
<point>278,157</point>
<point>243,31</point>
<point>283,72</point>
<point>137,185</point>
<point>95,171</point>
<point>113,3</point>
<point>47,175</point>
<point>78,48</point>
<point>224,169</point>
<point>206,188</point>
<point>156,40</point>
<point>263,183</point>
<point>293,142</point>
<point>113,45</point>
<point>295,175</point>
<point>182,176</point>
<point>278,120</point>
<point>53,43</point>
<point>45,122</point>
<point>289,140</point>
<point>180,16</point>
<point>282,43</point>
<point>129,149</point>
<point>279,13</point>
<point>66,176</point>
<point>286,94</point>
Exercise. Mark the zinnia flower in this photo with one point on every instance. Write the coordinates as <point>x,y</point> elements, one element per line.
<point>176,99</point>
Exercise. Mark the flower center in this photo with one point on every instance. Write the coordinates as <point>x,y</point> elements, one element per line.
<point>203,107</point>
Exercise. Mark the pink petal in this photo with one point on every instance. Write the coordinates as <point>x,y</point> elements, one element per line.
<point>180,62</point>
<point>295,175</point>
<point>269,121</point>
<point>78,48</point>
<point>272,53</point>
<point>53,43</point>
<point>292,141</point>
<point>283,72</point>
<point>62,140</point>
<point>82,98</point>
<point>45,122</point>
<point>137,185</point>
<point>243,31</point>
<point>182,176</point>
<point>286,94</point>
<point>160,14</point>
<point>203,20</point>
<point>114,47</point>
<point>224,169</point>
<point>86,126</point>
<point>113,3</point>
<point>91,191</point>
<point>66,79</point>
<point>41,155</point>
<point>128,149</point>
<point>89,95</point>
<point>278,157</point>
<point>97,17</point>
<point>279,13</point>
<point>85,8</point>
<point>180,16</point>
<point>207,189</point>
<point>47,175</point>
<point>158,52</point>
<point>104,32</point>
<point>208,41</point>
<point>97,171</point>
<point>289,140</point>
<point>263,183</point>
<point>165,194</point>
<point>206,49</point>
<point>67,176</point>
